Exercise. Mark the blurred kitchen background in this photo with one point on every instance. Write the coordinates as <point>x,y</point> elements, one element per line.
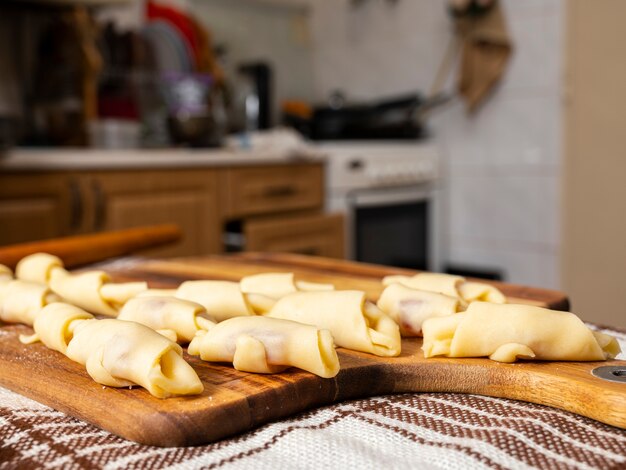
<point>474,137</point>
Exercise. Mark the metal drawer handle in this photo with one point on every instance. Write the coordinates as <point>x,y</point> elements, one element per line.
<point>280,191</point>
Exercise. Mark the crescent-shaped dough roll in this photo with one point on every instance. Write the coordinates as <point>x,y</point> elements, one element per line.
<point>448,284</point>
<point>472,291</point>
<point>410,307</point>
<point>507,332</point>
<point>6,274</point>
<point>118,293</point>
<point>263,290</point>
<point>157,293</point>
<point>54,326</point>
<point>353,322</point>
<point>221,299</point>
<point>38,267</point>
<point>183,317</point>
<point>306,286</point>
<point>268,345</point>
<point>120,353</point>
<point>272,285</point>
<point>434,282</point>
<point>93,291</point>
<point>21,301</point>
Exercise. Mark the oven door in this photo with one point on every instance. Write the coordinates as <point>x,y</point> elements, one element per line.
<point>392,226</point>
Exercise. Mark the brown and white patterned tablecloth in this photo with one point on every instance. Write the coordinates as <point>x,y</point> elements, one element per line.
<point>428,430</point>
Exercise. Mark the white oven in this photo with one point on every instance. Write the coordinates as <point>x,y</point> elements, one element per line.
<point>388,194</point>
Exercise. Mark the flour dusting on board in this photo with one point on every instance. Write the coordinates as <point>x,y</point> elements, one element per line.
<point>4,333</point>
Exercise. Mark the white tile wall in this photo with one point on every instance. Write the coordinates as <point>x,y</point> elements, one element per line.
<point>377,49</point>
<point>502,166</point>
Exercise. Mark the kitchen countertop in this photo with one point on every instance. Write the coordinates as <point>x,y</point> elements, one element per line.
<point>126,159</point>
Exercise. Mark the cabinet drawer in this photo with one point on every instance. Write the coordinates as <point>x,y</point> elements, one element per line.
<point>316,234</point>
<point>266,190</point>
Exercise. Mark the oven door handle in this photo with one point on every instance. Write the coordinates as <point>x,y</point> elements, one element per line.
<point>379,198</point>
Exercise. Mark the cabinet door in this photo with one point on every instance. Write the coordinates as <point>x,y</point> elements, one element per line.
<point>315,234</point>
<point>38,206</point>
<point>186,198</point>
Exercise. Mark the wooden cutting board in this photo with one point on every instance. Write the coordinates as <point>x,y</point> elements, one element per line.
<point>235,401</point>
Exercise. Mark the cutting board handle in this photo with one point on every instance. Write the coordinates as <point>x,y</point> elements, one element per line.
<point>596,390</point>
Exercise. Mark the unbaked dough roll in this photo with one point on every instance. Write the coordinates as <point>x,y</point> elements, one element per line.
<point>21,301</point>
<point>410,307</point>
<point>157,293</point>
<point>306,286</point>
<point>473,291</point>
<point>183,317</point>
<point>118,293</point>
<point>6,274</point>
<point>120,353</point>
<point>268,345</point>
<point>221,299</point>
<point>434,282</point>
<point>272,285</point>
<point>448,284</point>
<point>54,326</point>
<point>38,267</point>
<point>353,322</point>
<point>263,290</point>
<point>93,291</point>
<point>508,332</point>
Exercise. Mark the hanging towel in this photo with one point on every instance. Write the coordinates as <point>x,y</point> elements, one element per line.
<point>486,48</point>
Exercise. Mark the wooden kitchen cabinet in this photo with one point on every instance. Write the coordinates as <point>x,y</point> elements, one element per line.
<point>309,234</point>
<point>38,206</point>
<point>278,206</point>
<point>188,198</point>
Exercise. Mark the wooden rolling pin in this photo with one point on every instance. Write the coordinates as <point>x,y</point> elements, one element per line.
<point>84,249</point>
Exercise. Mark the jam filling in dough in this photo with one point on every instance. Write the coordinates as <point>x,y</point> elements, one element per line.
<point>263,290</point>
<point>21,301</point>
<point>221,299</point>
<point>508,332</point>
<point>38,267</point>
<point>182,317</point>
<point>448,284</point>
<point>268,345</point>
<point>410,307</point>
<point>353,322</point>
